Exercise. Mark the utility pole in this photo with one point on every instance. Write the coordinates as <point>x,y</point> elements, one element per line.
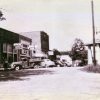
<point>93,27</point>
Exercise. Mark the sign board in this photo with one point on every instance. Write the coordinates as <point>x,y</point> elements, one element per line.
<point>50,53</point>
<point>18,45</point>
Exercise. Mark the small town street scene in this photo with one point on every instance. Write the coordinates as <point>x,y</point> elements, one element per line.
<point>49,50</point>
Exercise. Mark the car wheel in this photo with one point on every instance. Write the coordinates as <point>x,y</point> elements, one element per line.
<point>46,66</point>
<point>58,65</point>
<point>35,66</point>
<point>64,64</point>
<point>17,68</point>
<point>69,65</point>
<point>32,65</point>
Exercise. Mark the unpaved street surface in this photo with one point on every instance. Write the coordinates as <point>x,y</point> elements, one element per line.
<point>61,83</point>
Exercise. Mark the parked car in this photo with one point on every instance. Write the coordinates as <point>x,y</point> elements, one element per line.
<point>66,63</point>
<point>16,65</point>
<point>47,63</point>
<point>66,60</point>
<point>35,63</point>
<point>59,63</point>
<point>24,63</point>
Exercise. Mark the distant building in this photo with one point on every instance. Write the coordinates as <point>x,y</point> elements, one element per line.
<point>97,50</point>
<point>40,42</point>
<point>90,52</point>
<point>7,50</point>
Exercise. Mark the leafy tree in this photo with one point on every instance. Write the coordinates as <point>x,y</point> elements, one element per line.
<point>78,51</point>
<point>1,16</point>
<point>78,45</point>
<point>54,56</point>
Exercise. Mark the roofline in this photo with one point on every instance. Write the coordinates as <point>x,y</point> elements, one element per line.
<point>25,38</point>
<point>8,30</point>
<point>36,31</point>
<point>22,36</point>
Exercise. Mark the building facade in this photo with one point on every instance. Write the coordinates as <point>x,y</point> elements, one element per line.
<point>40,42</point>
<point>90,52</point>
<point>7,50</point>
<point>24,51</point>
<point>97,50</point>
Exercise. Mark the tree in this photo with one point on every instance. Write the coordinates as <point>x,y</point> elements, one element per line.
<point>78,51</point>
<point>78,45</point>
<point>55,54</point>
<point>1,16</point>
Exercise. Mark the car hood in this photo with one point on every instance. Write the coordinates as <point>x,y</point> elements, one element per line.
<point>19,62</point>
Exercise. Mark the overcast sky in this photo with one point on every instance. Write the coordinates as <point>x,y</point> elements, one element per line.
<point>63,20</point>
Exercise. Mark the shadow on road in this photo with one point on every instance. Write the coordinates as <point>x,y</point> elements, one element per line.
<point>21,74</point>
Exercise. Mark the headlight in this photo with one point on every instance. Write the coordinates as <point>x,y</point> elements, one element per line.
<point>12,65</point>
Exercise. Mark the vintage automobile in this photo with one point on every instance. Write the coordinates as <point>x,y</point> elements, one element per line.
<point>66,60</point>
<point>25,63</point>
<point>59,63</point>
<point>47,63</point>
<point>66,63</point>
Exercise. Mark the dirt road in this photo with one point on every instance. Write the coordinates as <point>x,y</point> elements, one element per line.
<point>61,83</point>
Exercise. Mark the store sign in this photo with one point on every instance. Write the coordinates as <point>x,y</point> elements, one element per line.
<point>24,51</point>
<point>18,45</point>
<point>50,53</point>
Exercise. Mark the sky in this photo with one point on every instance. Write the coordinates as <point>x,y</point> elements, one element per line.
<point>63,20</point>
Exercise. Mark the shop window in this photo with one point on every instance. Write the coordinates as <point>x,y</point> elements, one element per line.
<point>9,48</point>
<point>4,47</point>
<point>34,51</point>
<point>24,51</point>
<point>14,51</point>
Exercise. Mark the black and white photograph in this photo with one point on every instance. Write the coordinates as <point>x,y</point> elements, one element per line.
<point>49,49</point>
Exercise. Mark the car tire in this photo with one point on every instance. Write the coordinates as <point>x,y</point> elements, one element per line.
<point>58,65</point>
<point>32,65</point>
<point>17,68</point>
<point>35,66</point>
<point>69,65</point>
<point>46,66</point>
<point>65,65</point>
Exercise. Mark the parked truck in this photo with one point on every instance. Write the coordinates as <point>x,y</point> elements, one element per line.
<point>25,63</point>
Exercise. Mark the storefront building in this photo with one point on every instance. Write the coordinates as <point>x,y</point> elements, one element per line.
<point>40,43</point>
<point>7,50</point>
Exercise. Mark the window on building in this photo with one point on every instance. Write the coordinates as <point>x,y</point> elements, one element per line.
<point>14,51</point>
<point>25,46</point>
<point>24,51</point>
<point>34,51</point>
<point>9,48</point>
<point>4,47</point>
